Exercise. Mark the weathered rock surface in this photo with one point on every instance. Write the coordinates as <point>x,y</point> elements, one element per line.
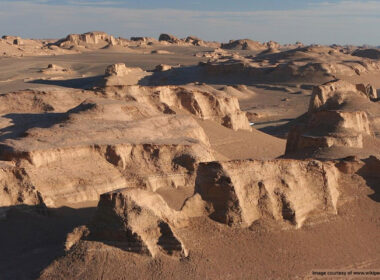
<point>140,221</point>
<point>16,189</point>
<point>291,191</point>
<point>95,39</point>
<point>208,105</point>
<point>334,94</point>
<point>311,65</point>
<point>120,75</point>
<point>52,69</point>
<point>168,38</point>
<point>124,142</point>
<point>335,118</point>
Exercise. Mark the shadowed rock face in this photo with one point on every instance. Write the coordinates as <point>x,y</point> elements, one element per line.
<point>290,191</point>
<point>330,128</point>
<point>287,192</point>
<point>367,53</point>
<point>16,189</point>
<point>137,220</point>
<point>168,38</point>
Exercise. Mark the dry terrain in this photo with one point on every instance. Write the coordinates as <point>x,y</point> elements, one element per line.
<point>174,158</point>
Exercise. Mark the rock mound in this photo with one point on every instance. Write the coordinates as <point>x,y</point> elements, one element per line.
<point>367,53</point>
<point>334,94</point>
<point>168,38</point>
<point>243,44</point>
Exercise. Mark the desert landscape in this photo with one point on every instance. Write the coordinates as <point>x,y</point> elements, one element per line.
<point>181,158</point>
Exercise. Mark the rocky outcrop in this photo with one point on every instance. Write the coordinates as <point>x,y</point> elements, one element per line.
<point>290,191</point>
<point>168,38</point>
<point>120,75</point>
<point>15,40</point>
<point>143,39</point>
<point>329,123</point>
<point>194,41</point>
<point>204,104</point>
<point>367,53</point>
<point>52,69</point>
<point>326,129</point>
<point>334,94</point>
<point>139,221</point>
<point>163,67</point>
<point>243,44</point>
<point>16,190</point>
<point>91,39</point>
<point>102,145</point>
<point>311,65</point>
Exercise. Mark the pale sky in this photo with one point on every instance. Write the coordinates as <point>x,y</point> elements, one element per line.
<point>285,21</point>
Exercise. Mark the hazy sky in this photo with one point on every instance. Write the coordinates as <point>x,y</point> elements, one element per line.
<point>285,21</point>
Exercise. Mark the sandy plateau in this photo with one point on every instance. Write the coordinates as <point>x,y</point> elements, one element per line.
<point>173,158</point>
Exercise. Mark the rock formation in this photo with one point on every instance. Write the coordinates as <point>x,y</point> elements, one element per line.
<point>16,189</point>
<point>140,221</point>
<point>207,105</point>
<point>95,39</point>
<point>168,38</point>
<point>243,44</point>
<point>367,53</point>
<point>291,191</point>
<point>312,65</point>
<point>120,75</point>
<point>331,122</point>
<point>55,69</point>
<point>125,141</point>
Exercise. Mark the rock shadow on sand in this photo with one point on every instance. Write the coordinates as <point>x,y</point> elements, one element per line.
<point>77,83</point>
<point>32,237</point>
<point>23,122</point>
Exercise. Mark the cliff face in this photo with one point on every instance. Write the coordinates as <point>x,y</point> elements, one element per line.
<point>288,191</point>
<point>94,39</point>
